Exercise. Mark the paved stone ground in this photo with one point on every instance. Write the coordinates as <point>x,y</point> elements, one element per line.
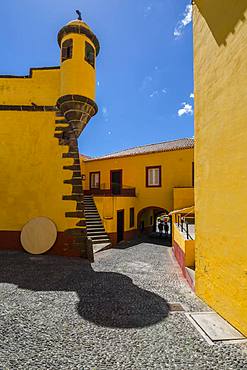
<point>59,313</point>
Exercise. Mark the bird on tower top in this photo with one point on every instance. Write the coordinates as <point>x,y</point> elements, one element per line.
<point>79,15</point>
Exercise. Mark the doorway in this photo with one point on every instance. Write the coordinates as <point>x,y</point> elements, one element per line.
<point>116,182</point>
<point>120,225</point>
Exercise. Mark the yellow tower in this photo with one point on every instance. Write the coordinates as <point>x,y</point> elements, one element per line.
<point>79,48</point>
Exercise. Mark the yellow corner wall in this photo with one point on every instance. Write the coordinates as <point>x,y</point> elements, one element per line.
<point>42,88</point>
<point>32,175</point>
<point>183,197</point>
<point>220,55</point>
<point>176,171</point>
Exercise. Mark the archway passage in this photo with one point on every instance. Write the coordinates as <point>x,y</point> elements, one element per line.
<point>147,219</point>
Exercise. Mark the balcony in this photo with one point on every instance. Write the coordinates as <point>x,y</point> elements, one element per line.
<point>115,191</point>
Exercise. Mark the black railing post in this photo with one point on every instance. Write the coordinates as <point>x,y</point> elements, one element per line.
<point>182,226</point>
<point>187,230</point>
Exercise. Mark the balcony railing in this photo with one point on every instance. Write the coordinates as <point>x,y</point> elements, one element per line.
<point>116,191</point>
<point>187,226</point>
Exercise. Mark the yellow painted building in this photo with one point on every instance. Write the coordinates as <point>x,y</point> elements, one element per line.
<point>130,188</point>
<point>41,117</point>
<point>220,55</point>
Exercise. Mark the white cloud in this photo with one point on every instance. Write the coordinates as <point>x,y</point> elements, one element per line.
<point>157,92</point>
<point>98,83</point>
<point>187,18</point>
<point>154,93</point>
<point>187,109</point>
<point>105,114</point>
<point>147,10</point>
<point>104,111</point>
<point>146,82</point>
<point>192,95</point>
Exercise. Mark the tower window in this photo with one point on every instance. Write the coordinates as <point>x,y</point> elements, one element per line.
<point>67,49</point>
<point>89,54</point>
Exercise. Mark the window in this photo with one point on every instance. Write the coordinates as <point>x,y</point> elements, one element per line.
<point>132,217</point>
<point>94,180</point>
<point>153,176</point>
<point>67,49</point>
<point>89,54</point>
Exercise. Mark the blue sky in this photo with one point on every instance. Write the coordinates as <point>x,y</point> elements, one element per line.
<point>144,69</point>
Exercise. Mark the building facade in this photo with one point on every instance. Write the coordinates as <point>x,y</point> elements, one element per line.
<point>132,187</point>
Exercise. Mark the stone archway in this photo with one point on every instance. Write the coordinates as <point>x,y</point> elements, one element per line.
<point>146,218</point>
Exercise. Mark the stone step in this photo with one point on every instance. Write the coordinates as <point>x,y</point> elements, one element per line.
<point>100,247</point>
<point>94,224</point>
<point>100,241</point>
<point>100,236</point>
<point>96,232</point>
<point>95,229</point>
<point>94,217</point>
<point>93,221</point>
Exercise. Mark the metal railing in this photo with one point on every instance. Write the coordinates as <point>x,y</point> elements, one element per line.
<point>184,223</point>
<point>115,190</point>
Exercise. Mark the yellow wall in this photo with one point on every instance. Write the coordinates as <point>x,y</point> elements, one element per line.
<point>187,246</point>
<point>108,206</point>
<point>30,156</point>
<point>183,197</point>
<point>43,88</point>
<point>176,171</point>
<point>220,55</point>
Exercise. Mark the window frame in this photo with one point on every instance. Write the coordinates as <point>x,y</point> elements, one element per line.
<point>132,217</point>
<point>87,44</point>
<point>90,180</point>
<point>147,172</point>
<point>64,50</point>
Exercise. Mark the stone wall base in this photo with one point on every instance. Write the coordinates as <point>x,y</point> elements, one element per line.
<point>10,240</point>
<point>180,257</point>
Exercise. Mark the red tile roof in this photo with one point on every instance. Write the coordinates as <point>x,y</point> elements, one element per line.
<point>165,146</point>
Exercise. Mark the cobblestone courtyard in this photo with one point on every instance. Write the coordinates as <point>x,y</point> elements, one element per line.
<point>59,313</point>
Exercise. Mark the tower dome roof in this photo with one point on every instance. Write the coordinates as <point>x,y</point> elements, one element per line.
<point>78,22</point>
<point>79,27</point>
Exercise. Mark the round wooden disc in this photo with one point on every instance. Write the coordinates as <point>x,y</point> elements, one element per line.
<point>38,235</point>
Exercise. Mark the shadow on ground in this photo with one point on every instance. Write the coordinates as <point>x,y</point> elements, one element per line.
<point>106,298</point>
<point>152,238</point>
